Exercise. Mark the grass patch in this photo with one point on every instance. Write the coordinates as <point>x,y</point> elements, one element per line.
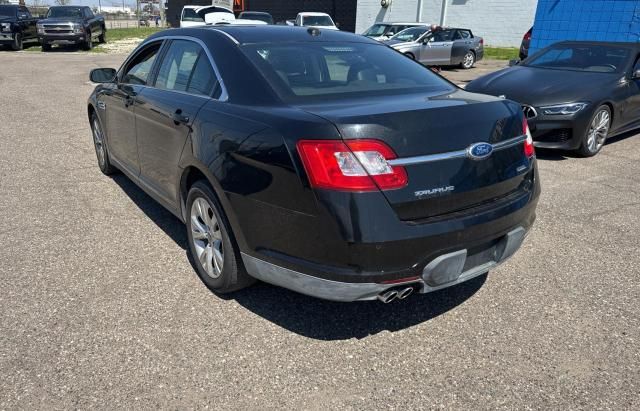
<point>501,53</point>
<point>130,33</point>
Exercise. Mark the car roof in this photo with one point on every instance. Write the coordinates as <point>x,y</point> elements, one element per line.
<point>312,13</point>
<point>597,43</point>
<point>276,34</point>
<point>400,23</point>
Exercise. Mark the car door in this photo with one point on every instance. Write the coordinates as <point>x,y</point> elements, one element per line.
<point>631,113</point>
<point>185,82</point>
<point>26,25</point>
<point>436,48</point>
<point>120,100</point>
<point>462,42</point>
<point>92,22</point>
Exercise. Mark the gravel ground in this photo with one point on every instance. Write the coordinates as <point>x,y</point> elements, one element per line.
<point>100,307</point>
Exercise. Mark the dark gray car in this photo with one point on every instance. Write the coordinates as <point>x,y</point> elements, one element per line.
<point>445,47</point>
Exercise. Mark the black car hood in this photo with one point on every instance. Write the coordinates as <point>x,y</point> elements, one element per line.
<point>536,86</point>
<point>7,19</point>
<point>60,20</point>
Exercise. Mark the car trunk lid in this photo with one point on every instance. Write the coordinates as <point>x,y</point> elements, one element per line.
<point>431,136</point>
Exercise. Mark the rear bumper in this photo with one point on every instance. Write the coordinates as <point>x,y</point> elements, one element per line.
<point>444,271</point>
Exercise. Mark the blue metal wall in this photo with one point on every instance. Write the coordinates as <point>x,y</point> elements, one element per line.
<point>602,20</point>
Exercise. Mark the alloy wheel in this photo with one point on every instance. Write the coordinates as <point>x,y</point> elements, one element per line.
<point>598,131</point>
<point>207,237</point>
<point>468,60</point>
<point>98,142</point>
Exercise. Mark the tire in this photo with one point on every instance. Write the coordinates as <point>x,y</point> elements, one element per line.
<point>468,60</point>
<point>215,253</point>
<point>103,37</point>
<point>99,143</point>
<point>410,55</point>
<point>595,136</point>
<point>46,47</point>
<point>17,43</point>
<point>88,42</point>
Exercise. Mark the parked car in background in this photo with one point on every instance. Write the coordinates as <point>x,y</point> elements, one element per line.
<point>256,15</point>
<point>524,47</point>
<point>17,26</point>
<point>75,25</point>
<point>574,94</point>
<point>343,170</point>
<point>445,47</point>
<point>195,15</point>
<point>312,19</point>
<point>383,30</point>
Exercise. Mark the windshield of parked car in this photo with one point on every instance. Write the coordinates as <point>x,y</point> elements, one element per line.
<point>591,58</point>
<point>317,21</point>
<point>303,71</point>
<point>410,34</point>
<point>376,30</point>
<point>64,12</point>
<point>8,11</point>
<point>256,16</point>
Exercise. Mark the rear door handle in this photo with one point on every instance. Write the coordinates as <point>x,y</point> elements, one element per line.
<point>179,118</point>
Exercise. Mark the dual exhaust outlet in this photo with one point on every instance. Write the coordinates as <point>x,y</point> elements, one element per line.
<point>396,293</point>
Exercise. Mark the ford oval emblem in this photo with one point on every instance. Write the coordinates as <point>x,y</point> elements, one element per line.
<point>479,151</point>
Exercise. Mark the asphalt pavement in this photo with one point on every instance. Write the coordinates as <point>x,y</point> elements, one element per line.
<point>100,307</point>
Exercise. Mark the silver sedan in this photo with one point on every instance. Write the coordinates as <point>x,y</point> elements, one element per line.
<point>444,47</point>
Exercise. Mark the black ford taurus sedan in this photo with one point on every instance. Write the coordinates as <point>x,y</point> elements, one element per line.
<point>575,94</point>
<point>320,161</point>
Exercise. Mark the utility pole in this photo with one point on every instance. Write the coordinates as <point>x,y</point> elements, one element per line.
<point>420,8</point>
<point>443,13</point>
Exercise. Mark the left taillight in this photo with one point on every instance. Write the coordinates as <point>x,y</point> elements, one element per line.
<point>529,151</point>
<point>356,165</point>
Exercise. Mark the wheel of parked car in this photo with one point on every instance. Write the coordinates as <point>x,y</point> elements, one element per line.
<point>596,134</point>
<point>46,47</point>
<point>103,36</point>
<point>468,60</point>
<point>211,242</point>
<point>88,43</point>
<point>101,147</point>
<point>17,42</point>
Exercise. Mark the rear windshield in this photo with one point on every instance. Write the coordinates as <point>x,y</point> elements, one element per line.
<point>592,58</point>
<point>256,16</point>
<point>64,12</point>
<point>317,21</point>
<point>303,71</point>
<point>411,34</point>
<point>376,30</point>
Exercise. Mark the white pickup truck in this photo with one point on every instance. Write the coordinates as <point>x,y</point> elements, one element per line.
<point>194,16</point>
<point>311,19</point>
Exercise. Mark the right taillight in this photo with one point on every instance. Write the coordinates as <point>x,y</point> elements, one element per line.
<point>356,165</point>
<point>529,151</point>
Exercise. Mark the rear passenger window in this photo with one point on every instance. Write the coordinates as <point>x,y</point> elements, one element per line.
<point>186,68</point>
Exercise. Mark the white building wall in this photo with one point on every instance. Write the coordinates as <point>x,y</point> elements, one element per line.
<point>499,22</point>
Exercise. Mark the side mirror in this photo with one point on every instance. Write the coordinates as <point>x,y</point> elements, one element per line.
<point>513,62</point>
<point>103,75</point>
<point>635,75</point>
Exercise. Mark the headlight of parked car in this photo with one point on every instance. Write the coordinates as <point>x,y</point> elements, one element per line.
<point>5,27</point>
<point>77,28</point>
<point>40,28</point>
<point>563,109</point>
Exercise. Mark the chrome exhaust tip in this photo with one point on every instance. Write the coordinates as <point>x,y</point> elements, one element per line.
<point>402,294</point>
<point>388,296</point>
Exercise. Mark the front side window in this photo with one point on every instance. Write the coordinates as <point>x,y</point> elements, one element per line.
<point>317,21</point>
<point>139,68</point>
<point>301,71</point>
<point>441,36</point>
<point>186,68</point>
